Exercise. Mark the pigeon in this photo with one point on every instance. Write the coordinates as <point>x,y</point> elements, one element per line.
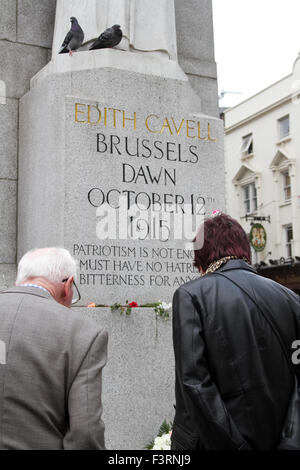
<point>110,38</point>
<point>73,39</point>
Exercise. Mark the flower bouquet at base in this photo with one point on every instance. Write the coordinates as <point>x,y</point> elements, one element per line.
<point>163,439</point>
<point>162,309</point>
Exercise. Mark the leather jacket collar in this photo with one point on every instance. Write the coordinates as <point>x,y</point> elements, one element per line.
<point>236,264</point>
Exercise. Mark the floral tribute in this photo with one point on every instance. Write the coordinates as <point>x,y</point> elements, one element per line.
<point>162,309</point>
<point>163,439</point>
<point>124,308</point>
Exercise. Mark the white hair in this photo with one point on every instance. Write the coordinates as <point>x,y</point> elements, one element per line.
<point>56,264</point>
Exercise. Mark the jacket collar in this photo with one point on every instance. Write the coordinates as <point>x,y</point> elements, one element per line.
<point>28,290</point>
<point>236,264</point>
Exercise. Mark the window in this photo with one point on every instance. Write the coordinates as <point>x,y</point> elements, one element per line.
<point>284,127</point>
<point>286,186</point>
<point>289,239</point>
<point>247,145</point>
<point>250,198</point>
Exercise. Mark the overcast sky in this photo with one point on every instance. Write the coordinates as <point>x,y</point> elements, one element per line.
<point>256,44</point>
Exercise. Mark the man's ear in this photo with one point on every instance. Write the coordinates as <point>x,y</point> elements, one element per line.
<point>68,285</point>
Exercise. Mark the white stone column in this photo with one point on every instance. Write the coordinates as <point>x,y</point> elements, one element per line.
<point>295,209</point>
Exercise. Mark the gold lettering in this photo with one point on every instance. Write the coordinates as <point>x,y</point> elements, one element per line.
<point>105,117</point>
<point>147,123</point>
<point>129,119</point>
<point>180,127</point>
<point>208,134</point>
<point>188,128</point>
<point>199,133</point>
<point>89,114</point>
<point>114,114</point>
<point>77,111</point>
<point>166,124</point>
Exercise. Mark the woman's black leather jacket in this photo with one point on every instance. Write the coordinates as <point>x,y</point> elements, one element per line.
<point>233,384</point>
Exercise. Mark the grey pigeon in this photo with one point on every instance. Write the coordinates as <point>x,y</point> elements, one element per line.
<point>73,39</point>
<point>110,38</point>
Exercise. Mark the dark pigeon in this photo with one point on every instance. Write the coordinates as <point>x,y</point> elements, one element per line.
<point>73,39</point>
<point>110,38</point>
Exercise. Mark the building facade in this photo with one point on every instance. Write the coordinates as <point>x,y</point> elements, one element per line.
<point>262,153</point>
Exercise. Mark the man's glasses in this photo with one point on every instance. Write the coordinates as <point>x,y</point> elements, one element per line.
<point>76,294</point>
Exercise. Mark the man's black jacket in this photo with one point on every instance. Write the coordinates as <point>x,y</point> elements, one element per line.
<point>233,384</point>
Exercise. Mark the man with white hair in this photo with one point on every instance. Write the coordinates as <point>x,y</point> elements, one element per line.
<point>51,360</point>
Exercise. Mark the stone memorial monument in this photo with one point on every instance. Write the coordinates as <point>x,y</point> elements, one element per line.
<point>148,26</point>
<point>120,157</point>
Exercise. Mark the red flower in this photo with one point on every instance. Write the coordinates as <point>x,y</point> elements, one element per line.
<point>133,304</point>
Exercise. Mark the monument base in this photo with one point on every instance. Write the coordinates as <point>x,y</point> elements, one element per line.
<point>138,380</point>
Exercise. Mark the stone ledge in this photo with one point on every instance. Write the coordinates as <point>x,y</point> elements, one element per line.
<point>111,58</point>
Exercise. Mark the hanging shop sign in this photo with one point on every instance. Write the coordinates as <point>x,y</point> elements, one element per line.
<point>258,237</point>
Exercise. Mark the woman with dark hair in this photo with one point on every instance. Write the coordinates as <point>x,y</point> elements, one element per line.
<point>232,332</point>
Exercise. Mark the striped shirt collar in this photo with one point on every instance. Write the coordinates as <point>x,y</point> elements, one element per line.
<point>34,285</point>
